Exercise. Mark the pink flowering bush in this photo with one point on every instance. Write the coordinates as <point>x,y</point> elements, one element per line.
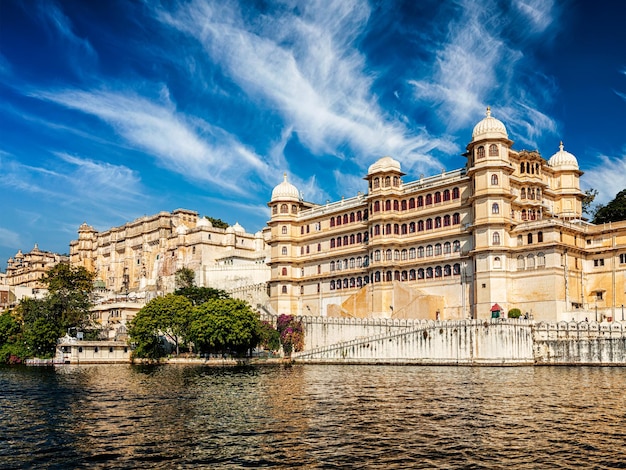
<point>291,333</point>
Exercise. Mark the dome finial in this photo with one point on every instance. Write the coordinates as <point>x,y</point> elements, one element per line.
<point>488,111</point>
<point>285,176</point>
<point>561,145</point>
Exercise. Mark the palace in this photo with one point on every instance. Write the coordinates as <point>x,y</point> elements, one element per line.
<point>505,231</point>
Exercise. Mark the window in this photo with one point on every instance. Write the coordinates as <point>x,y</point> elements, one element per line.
<point>351,263</point>
<point>497,262</point>
<point>446,220</point>
<point>523,193</point>
<point>437,197</point>
<point>332,221</point>
<point>403,230</point>
<point>456,246</point>
<point>284,271</point>
<point>319,247</point>
<point>520,262</point>
<point>420,201</point>
<point>420,226</point>
<point>395,205</point>
<point>351,216</point>
<point>332,265</point>
<point>541,260</point>
<point>598,262</point>
<point>412,227</point>
<point>447,248</point>
<point>495,208</point>
<point>521,167</point>
<point>429,250</point>
<point>446,195</point>
<point>403,255</point>
<point>420,252</point>
<point>437,222</point>
<point>447,270</point>
<point>530,261</point>
<point>387,181</point>
<point>338,242</point>
<point>494,180</point>
<point>438,249</point>
<point>429,224</point>
<point>388,255</point>
<point>496,238</point>
<point>376,183</point>
<point>275,210</point>
<point>530,238</point>
<point>429,199</point>
<point>332,243</point>
<point>345,219</point>
<point>396,255</point>
<point>599,296</point>
<point>493,150</point>
<point>539,237</point>
<point>456,269</point>
<point>403,205</point>
<point>411,203</point>
<point>480,152</point>
<point>284,208</point>
<point>412,253</point>
<point>284,230</point>
<point>622,258</point>
<point>420,273</point>
<point>455,193</point>
<point>456,218</point>
<point>429,273</point>
<point>338,220</point>
<point>284,250</point>
<point>332,285</point>
<point>376,206</point>
<point>377,255</point>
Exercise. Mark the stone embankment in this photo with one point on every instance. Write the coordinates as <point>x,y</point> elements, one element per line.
<point>461,342</point>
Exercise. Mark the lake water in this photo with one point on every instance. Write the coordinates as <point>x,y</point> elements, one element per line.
<point>312,417</point>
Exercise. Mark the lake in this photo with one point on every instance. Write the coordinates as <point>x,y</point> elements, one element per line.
<point>312,417</point>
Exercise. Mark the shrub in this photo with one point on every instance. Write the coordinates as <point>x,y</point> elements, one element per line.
<point>515,313</point>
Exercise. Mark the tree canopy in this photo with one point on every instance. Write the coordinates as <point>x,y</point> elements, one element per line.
<point>218,223</point>
<point>613,211</point>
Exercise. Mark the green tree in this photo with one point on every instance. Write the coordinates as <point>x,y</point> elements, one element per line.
<point>588,207</point>
<point>217,223</point>
<point>614,211</point>
<point>199,295</point>
<point>12,347</point>
<point>185,278</point>
<point>224,324</point>
<point>269,337</point>
<point>70,295</point>
<point>168,316</point>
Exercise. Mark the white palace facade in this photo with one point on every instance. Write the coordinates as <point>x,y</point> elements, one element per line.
<point>505,231</point>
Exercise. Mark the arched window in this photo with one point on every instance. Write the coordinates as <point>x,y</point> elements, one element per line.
<point>396,255</point>
<point>388,276</point>
<point>521,167</point>
<point>541,260</point>
<point>539,237</point>
<point>496,238</point>
<point>351,216</point>
<point>338,284</point>
<point>411,227</point>
<point>404,276</point>
<point>456,246</point>
<point>284,230</point>
<point>523,193</point>
<point>446,195</point>
<point>403,205</point>
<point>359,216</point>
<point>420,201</point>
<point>524,215</point>
<point>497,262</point>
<point>495,208</point>
<point>420,273</point>
<point>412,275</point>
<point>294,208</point>
<point>446,220</point>
<point>332,265</point>
<point>388,255</point>
<point>411,203</point>
<point>284,208</point>
<point>387,181</point>
<point>420,225</point>
<point>429,199</point>
<point>493,150</point>
<point>284,289</point>
<point>447,248</point>
<point>456,218</point>
<point>404,230</point>
<point>429,273</point>
<point>411,253</point>
<point>437,249</point>
<point>396,205</point>
<point>396,229</point>
<point>377,255</point>
<point>284,251</point>
<point>437,222</point>
<point>352,282</point>
<point>447,270</point>
<point>387,229</point>
<point>429,250</point>
<point>332,243</point>
<point>376,229</point>
<point>376,206</point>
<point>332,221</point>
<point>429,224</point>
<point>437,197</point>
<point>420,252</point>
<point>403,255</point>
<point>480,152</point>
<point>530,238</point>
<point>494,180</point>
<point>338,220</point>
<point>456,269</point>
<point>396,181</point>
<point>376,183</point>
<point>352,239</point>
<point>455,193</point>
<point>387,205</point>
<point>284,271</point>
<point>377,276</point>
<point>530,261</point>
<point>338,242</point>
<point>438,271</point>
<point>345,240</point>
<point>520,262</point>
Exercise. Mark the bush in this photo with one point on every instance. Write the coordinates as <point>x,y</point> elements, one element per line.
<point>515,313</point>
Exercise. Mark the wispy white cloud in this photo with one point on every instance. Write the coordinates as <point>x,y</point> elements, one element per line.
<point>186,145</point>
<point>9,238</point>
<point>607,176</point>
<point>476,64</point>
<point>307,65</point>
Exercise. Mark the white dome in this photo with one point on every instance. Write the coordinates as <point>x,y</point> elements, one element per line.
<point>563,159</point>
<point>181,230</point>
<point>489,128</point>
<point>204,222</point>
<point>285,191</point>
<point>238,228</point>
<point>383,165</point>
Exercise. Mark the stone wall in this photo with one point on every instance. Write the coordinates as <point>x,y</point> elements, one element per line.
<point>462,342</point>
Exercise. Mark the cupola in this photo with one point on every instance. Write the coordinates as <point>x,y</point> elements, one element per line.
<point>563,160</point>
<point>489,128</point>
<point>285,191</point>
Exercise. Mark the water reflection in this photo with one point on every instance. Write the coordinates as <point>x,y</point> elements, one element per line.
<point>312,417</point>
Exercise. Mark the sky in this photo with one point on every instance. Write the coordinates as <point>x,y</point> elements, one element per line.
<point>113,110</point>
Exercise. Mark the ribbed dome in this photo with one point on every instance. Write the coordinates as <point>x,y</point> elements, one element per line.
<point>383,165</point>
<point>285,191</point>
<point>489,128</point>
<point>563,159</point>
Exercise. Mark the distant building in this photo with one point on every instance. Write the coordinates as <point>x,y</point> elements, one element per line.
<point>505,229</point>
<point>28,269</point>
<point>138,261</point>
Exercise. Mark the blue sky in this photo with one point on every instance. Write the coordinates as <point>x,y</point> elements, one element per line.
<point>114,110</point>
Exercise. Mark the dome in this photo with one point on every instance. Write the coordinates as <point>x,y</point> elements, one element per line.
<point>238,228</point>
<point>563,159</point>
<point>204,222</point>
<point>383,165</point>
<point>489,128</point>
<point>286,191</point>
<point>230,229</point>
<point>181,230</point>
